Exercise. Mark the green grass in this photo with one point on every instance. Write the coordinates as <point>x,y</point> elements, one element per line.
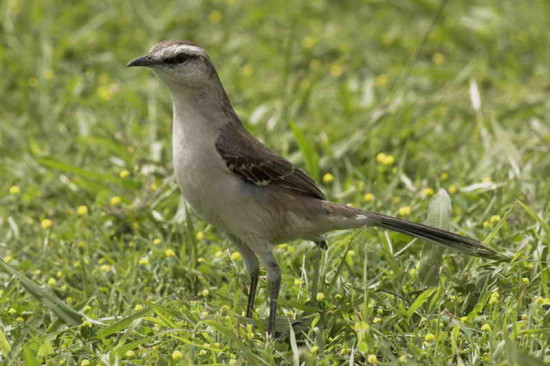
<point>330,84</point>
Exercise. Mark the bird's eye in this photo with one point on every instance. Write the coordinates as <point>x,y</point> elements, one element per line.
<point>178,59</point>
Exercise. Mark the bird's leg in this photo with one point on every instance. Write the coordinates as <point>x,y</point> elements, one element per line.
<point>253,268</point>
<point>274,278</point>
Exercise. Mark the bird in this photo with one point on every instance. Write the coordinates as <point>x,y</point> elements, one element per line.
<point>237,184</point>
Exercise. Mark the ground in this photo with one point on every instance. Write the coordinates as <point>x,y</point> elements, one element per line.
<point>384,103</point>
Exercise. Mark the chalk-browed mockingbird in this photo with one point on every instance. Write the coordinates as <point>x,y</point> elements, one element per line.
<point>240,186</point>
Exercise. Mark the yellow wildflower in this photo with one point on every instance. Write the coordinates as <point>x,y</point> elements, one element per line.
<point>405,210</point>
<point>205,293</point>
<point>309,42</point>
<point>8,258</point>
<point>82,210</point>
<point>138,307</point>
<point>14,190</point>
<point>104,93</point>
<point>372,359</point>
<point>381,80</point>
<point>143,261</point>
<point>235,256</point>
<point>525,280</point>
<point>376,320</point>
<point>123,174</point>
<point>86,324</point>
<point>486,224</point>
<point>169,253</point>
<point>438,58</point>
<point>368,197</point>
<point>494,298</point>
<point>20,319</point>
<point>52,281</point>
<point>427,192</point>
<point>130,354</point>
<point>46,223</point>
<point>85,363</point>
<point>429,337</point>
<point>452,189</point>
<point>336,70</point>
<point>298,281</point>
<point>105,268</point>
<point>486,327</point>
<point>494,218</point>
<point>200,235</point>
<point>81,244</point>
<point>320,296</point>
<point>12,311</point>
<point>327,178</point>
<point>115,200</point>
<point>385,159</point>
<point>215,16</point>
<point>157,241</point>
<point>486,179</point>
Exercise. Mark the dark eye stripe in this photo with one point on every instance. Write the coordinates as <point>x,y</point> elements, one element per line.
<point>178,59</point>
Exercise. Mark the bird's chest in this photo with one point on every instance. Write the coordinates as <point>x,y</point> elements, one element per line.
<point>199,169</point>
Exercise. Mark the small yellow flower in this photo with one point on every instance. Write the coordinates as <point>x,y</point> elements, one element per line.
<point>52,281</point>
<point>309,42</point>
<point>123,174</point>
<point>405,210</point>
<point>443,176</point>
<point>247,70</point>
<point>376,320</point>
<point>452,189</point>
<point>205,293</point>
<point>368,197</point>
<point>20,319</point>
<point>544,301</point>
<point>336,70</point>
<point>130,354</point>
<point>327,178</point>
<point>200,260</point>
<point>320,296</point>
<point>464,319</point>
<point>12,311</point>
<point>402,359</point>
<point>14,190</point>
<point>81,244</point>
<point>372,359</point>
<point>438,58</point>
<point>82,210</point>
<point>8,258</point>
<point>169,253</point>
<point>115,200</point>
<point>486,179</point>
<point>427,192</point>
<point>105,268</point>
<point>200,235</point>
<point>104,93</point>
<point>86,324</point>
<point>49,75</point>
<point>524,316</point>
<point>138,307</point>
<point>157,241</point>
<point>235,256</point>
<point>215,16</point>
<point>69,300</point>
<point>85,363</point>
<point>218,254</point>
<point>494,298</point>
<point>385,159</point>
<point>298,281</point>
<point>143,261</point>
<point>525,280</point>
<point>429,337</point>
<point>203,352</point>
<point>153,187</point>
<point>494,218</point>
<point>46,223</point>
<point>314,349</point>
<point>485,327</point>
<point>381,80</point>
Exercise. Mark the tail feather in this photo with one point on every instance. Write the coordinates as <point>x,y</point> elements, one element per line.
<point>442,237</point>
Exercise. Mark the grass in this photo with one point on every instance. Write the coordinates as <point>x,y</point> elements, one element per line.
<point>330,85</point>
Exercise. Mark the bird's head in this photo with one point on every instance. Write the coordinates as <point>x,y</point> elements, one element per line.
<point>180,64</point>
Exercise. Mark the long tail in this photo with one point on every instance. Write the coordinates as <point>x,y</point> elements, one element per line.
<point>355,218</point>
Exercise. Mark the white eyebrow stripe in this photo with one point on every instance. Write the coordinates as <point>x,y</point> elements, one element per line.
<point>174,50</point>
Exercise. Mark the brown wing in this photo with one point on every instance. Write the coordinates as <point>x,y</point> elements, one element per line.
<point>256,163</point>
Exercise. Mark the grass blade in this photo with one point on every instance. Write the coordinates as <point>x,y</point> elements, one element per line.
<point>439,215</point>
<point>67,314</point>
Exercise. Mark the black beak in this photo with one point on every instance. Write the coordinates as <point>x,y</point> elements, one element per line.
<point>143,61</point>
